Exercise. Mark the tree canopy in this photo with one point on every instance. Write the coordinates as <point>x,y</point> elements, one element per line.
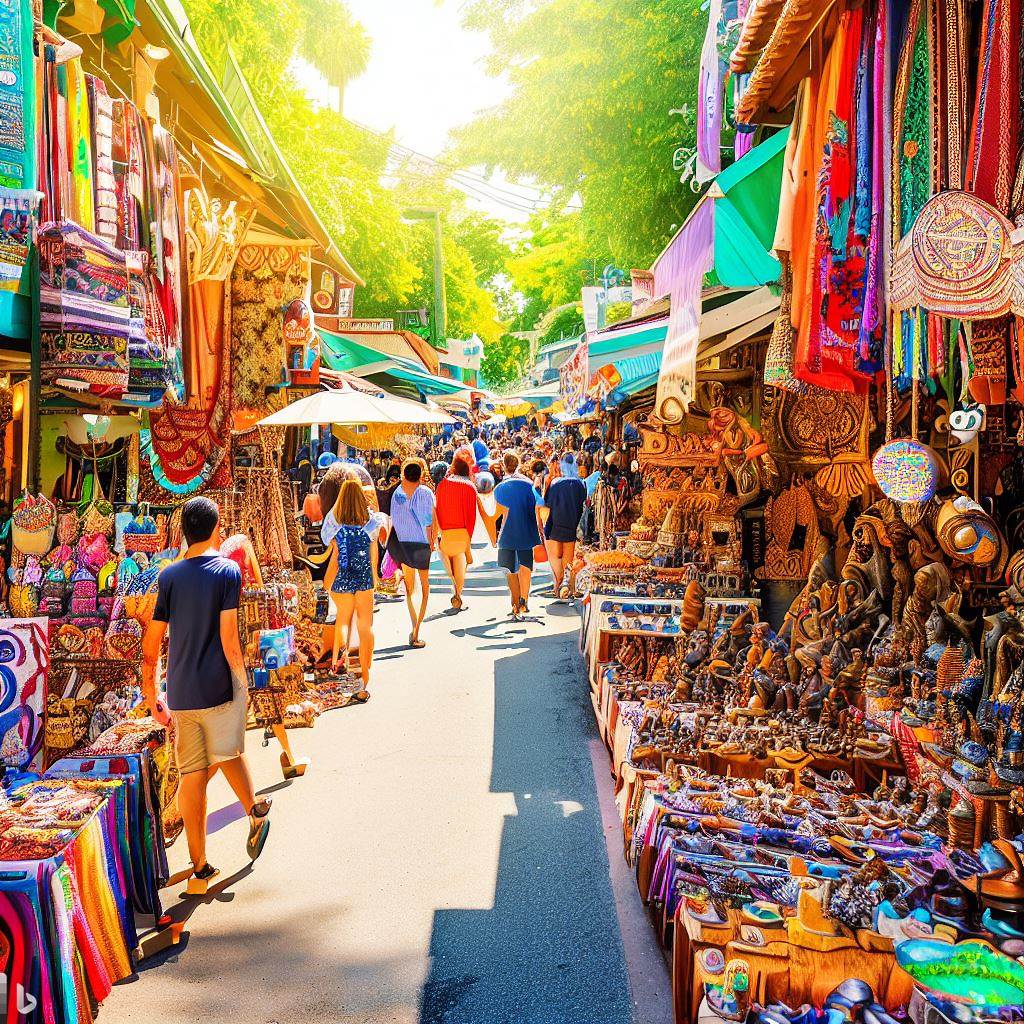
<point>591,113</point>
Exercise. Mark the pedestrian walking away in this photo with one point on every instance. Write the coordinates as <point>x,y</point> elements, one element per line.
<point>519,502</point>
<point>207,693</point>
<point>412,539</point>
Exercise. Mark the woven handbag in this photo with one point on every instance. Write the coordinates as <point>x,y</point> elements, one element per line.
<point>33,524</point>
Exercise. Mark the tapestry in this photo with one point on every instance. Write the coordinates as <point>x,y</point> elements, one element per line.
<point>17,216</point>
<point>101,112</point>
<point>264,279</point>
<point>574,376</point>
<point>17,96</point>
<point>85,697</point>
<point>169,261</point>
<point>83,311</point>
<point>988,344</point>
<point>793,535</point>
<point>24,658</point>
<point>994,138</point>
<point>186,444</point>
<point>817,428</point>
<point>680,272</point>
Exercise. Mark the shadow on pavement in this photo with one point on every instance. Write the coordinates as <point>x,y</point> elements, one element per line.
<point>549,949</point>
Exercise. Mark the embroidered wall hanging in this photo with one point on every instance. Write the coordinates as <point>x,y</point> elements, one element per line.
<point>24,660</point>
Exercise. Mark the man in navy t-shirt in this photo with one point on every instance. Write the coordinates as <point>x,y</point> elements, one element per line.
<point>207,693</point>
<point>520,530</point>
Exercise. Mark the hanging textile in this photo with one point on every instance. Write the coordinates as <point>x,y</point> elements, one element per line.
<point>83,318</point>
<point>913,169</point>
<point>995,132</point>
<point>680,272</point>
<point>101,110</point>
<point>81,209</point>
<point>264,280</point>
<point>17,96</point>
<point>17,219</point>
<point>710,92</point>
<point>24,659</point>
<point>186,444</point>
<point>838,284</point>
<point>989,340</point>
<point>169,259</point>
<point>131,174</point>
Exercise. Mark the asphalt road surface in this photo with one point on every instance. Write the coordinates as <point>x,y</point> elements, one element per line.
<point>451,857</point>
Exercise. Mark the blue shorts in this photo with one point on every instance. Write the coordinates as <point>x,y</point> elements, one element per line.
<point>514,559</point>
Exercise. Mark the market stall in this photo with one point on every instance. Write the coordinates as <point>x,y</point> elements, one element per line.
<point>802,630</point>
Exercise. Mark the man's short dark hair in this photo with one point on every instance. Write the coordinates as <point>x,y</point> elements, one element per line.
<point>199,519</point>
<point>413,472</point>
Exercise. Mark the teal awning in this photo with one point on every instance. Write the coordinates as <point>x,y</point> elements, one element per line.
<point>427,383</point>
<point>746,197</point>
<point>638,373</point>
<point>339,352</point>
<point>625,341</point>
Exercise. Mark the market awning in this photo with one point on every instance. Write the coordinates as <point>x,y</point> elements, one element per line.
<point>426,383</point>
<point>746,196</point>
<point>636,374</point>
<point>339,352</point>
<point>635,339</point>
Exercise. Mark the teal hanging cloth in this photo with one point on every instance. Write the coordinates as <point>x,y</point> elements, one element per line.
<point>119,20</point>
<point>17,98</point>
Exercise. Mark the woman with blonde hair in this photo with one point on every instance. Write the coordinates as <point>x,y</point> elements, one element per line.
<point>353,531</point>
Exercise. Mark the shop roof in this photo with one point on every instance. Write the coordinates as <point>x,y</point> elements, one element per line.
<point>216,126</point>
<point>785,60</point>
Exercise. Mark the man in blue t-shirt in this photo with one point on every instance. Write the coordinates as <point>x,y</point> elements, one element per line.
<point>197,599</point>
<point>519,502</point>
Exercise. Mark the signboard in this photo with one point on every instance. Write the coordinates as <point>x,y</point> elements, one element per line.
<point>574,378</point>
<point>346,324</point>
<point>326,292</point>
<point>346,299</point>
<point>301,345</point>
<point>594,301</point>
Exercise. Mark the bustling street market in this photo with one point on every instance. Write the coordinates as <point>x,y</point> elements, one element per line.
<point>607,612</point>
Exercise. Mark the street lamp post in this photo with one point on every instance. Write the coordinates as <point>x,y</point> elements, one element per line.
<point>440,302</point>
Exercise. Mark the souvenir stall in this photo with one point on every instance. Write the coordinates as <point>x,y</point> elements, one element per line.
<point>160,298</point>
<point>822,795</point>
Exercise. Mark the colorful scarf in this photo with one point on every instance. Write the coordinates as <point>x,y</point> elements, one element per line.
<point>17,97</point>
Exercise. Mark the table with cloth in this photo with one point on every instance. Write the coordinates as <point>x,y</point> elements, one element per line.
<point>81,851</point>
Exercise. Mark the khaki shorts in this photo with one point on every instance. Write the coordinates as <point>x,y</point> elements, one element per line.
<point>206,737</point>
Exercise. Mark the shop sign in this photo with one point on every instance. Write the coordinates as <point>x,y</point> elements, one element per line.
<point>346,324</point>
<point>301,344</point>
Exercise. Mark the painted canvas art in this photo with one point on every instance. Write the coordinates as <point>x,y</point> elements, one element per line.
<point>24,663</point>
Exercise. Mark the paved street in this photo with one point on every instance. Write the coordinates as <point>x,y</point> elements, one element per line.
<point>444,861</point>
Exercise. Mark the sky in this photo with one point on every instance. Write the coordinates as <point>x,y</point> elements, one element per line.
<point>426,76</point>
<point>426,73</point>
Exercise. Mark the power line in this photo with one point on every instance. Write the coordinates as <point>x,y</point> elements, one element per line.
<point>455,168</point>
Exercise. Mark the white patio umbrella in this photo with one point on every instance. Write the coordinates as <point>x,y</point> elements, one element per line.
<point>347,406</point>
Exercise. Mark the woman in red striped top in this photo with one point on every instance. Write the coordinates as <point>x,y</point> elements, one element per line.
<point>457,505</point>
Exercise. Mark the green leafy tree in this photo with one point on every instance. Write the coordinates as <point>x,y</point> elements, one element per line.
<point>589,118</point>
<point>346,171</point>
<point>505,362</point>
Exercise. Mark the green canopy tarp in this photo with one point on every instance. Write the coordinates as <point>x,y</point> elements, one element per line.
<point>746,197</point>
